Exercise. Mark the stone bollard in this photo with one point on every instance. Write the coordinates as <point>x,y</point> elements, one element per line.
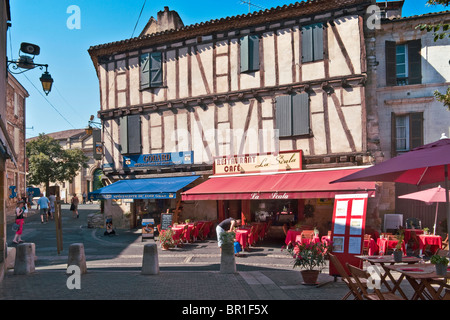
<point>10,257</point>
<point>24,263</point>
<point>150,263</point>
<point>227,259</point>
<point>77,257</point>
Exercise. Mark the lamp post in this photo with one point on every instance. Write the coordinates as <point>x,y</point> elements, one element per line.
<point>25,63</point>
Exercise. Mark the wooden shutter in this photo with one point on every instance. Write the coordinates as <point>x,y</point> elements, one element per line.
<point>307,44</point>
<point>416,130</point>
<point>317,41</point>
<point>145,71</point>
<point>390,56</point>
<point>134,134</point>
<point>393,136</point>
<point>284,115</point>
<point>300,114</point>
<point>414,62</point>
<point>249,47</point>
<point>244,47</point>
<point>156,69</point>
<point>123,130</point>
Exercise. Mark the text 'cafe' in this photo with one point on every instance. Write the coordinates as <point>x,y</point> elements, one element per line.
<point>261,187</point>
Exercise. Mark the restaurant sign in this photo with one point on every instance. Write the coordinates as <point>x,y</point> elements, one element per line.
<point>255,163</point>
<point>158,159</point>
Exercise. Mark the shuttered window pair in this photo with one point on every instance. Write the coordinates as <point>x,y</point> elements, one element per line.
<point>407,132</point>
<point>249,46</point>
<point>403,63</point>
<point>312,42</point>
<point>151,70</point>
<point>292,115</point>
<point>130,134</point>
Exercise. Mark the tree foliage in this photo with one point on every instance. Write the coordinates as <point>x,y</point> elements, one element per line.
<point>49,162</point>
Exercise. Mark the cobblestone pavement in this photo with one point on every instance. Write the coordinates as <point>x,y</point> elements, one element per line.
<point>188,274</point>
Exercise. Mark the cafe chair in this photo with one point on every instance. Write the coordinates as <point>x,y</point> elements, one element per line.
<point>200,231</point>
<point>445,243</point>
<point>360,276</point>
<point>307,234</point>
<point>348,280</point>
<point>442,252</point>
<point>366,244</point>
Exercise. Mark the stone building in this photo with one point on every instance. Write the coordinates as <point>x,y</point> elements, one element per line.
<point>288,80</point>
<point>16,96</point>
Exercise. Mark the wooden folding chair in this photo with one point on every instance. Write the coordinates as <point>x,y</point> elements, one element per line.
<point>442,252</point>
<point>445,243</point>
<point>348,280</point>
<point>366,244</point>
<point>361,276</point>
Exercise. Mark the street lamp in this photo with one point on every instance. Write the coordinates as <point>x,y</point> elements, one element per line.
<point>91,122</point>
<point>25,63</point>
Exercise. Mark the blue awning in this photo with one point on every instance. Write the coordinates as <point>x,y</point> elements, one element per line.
<point>154,188</point>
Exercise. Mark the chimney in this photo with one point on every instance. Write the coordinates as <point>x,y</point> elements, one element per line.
<point>166,20</point>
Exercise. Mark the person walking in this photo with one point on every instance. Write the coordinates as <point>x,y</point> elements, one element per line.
<point>52,200</point>
<point>20,216</point>
<point>84,197</point>
<point>42,205</point>
<point>74,206</point>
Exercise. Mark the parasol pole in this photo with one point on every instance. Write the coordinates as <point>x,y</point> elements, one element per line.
<point>435,218</point>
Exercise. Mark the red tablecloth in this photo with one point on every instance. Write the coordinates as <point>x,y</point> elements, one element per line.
<point>373,247</point>
<point>407,233</point>
<point>242,237</point>
<point>435,242</point>
<point>384,245</point>
<point>177,233</point>
<point>187,235</point>
<point>291,235</point>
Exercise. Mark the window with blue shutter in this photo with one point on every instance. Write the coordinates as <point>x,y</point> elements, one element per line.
<point>249,46</point>
<point>151,70</point>
<point>312,42</point>
<point>292,115</point>
<point>130,134</point>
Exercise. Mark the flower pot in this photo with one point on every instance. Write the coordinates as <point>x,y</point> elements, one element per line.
<point>441,269</point>
<point>310,277</point>
<point>398,254</point>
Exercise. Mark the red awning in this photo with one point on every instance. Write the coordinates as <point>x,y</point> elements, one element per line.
<point>305,184</point>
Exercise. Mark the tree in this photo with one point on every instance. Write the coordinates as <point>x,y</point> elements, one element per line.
<point>441,31</point>
<point>49,162</point>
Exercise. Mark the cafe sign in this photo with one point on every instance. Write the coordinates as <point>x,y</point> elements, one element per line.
<point>256,163</point>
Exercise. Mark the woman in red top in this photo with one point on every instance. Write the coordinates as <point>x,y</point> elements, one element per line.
<point>20,208</point>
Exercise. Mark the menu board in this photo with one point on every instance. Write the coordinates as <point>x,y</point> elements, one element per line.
<point>348,227</point>
<point>166,220</point>
<point>148,228</point>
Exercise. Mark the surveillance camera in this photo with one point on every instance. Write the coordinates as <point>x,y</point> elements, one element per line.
<point>30,48</point>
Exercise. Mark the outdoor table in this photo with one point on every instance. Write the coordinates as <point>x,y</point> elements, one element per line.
<point>242,237</point>
<point>435,242</point>
<point>177,231</point>
<point>384,261</point>
<point>420,277</point>
<point>372,245</point>
<point>291,235</point>
<point>384,245</point>
<point>407,233</point>
<point>187,235</point>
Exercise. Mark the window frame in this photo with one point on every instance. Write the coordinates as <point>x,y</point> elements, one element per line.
<point>289,115</point>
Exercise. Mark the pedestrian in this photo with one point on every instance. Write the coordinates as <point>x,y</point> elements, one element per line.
<point>74,206</point>
<point>84,197</point>
<point>226,225</point>
<point>52,200</point>
<point>30,198</point>
<point>42,205</point>
<point>20,216</point>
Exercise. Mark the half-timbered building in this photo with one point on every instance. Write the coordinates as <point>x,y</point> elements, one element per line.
<point>178,100</point>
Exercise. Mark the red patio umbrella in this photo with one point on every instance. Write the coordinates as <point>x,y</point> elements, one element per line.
<point>433,195</point>
<point>420,166</point>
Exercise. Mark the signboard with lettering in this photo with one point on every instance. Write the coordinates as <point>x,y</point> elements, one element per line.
<point>158,159</point>
<point>254,163</point>
<point>166,220</point>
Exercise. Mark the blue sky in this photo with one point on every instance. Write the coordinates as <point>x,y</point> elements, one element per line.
<point>75,93</point>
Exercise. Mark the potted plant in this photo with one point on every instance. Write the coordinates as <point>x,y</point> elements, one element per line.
<point>441,264</point>
<point>308,257</point>
<point>166,239</point>
<point>426,230</point>
<point>398,254</point>
<point>227,260</point>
